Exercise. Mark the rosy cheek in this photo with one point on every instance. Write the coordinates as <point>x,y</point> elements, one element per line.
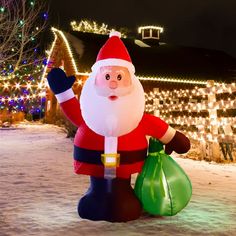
<point>100,81</point>
<point>126,82</point>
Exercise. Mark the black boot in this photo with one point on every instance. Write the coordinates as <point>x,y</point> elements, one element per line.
<point>95,204</point>
<point>125,205</point>
<point>111,200</point>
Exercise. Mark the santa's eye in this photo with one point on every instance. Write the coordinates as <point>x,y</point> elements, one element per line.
<point>107,76</point>
<point>119,77</point>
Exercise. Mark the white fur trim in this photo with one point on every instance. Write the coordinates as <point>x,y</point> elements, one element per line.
<point>114,62</point>
<point>169,134</point>
<point>111,144</point>
<point>115,33</point>
<point>110,147</point>
<point>65,96</point>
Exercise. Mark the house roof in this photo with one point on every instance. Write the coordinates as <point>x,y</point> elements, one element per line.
<point>164,60</point>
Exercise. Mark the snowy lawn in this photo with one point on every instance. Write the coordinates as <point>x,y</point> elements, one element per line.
<point>39,192</point>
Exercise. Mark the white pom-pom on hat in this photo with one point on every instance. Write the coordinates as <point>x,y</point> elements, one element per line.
<point>115,33</point>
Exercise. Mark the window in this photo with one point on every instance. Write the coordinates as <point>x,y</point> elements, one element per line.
<point>146,33</point>
<point>155,33</point>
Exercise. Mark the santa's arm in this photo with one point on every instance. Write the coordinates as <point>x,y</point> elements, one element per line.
<point>173,139</point>
<point>61,85</point>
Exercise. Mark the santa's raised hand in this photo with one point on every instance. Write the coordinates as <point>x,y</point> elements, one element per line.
<point>58,81</point>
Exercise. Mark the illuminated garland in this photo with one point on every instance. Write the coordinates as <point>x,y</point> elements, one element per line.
<point>16,75</point>
<point>161,29</point>
<point>55,31</point>
<point>197,121</point>
<point>22,97</point>
<point>208,137</point>
<point>205,105</point>
<point>67,47</point>
<point>92,27</point>
<point>172,80</point>
<point>19,85</point>
<point>22,93</point>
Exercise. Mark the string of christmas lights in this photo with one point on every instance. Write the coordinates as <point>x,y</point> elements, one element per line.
<point>92,27</point>
<point>219,88</point>
<point>19,76</point>
<point>203,106</point>
<point>170,104</point>
<point>22,84</point>
<point>197,121</point>
<point>58,33</point>
<point>22,97</point>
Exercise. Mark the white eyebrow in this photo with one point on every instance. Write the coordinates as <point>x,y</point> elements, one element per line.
<point>106,70</point>
<point>120,71</point>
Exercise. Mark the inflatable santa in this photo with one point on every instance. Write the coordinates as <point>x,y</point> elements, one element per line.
<point>110,144</point>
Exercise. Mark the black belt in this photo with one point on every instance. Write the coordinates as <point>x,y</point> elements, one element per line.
<point>94,157</point>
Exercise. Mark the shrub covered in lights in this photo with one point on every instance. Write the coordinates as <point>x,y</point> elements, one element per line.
<point>21,62</point>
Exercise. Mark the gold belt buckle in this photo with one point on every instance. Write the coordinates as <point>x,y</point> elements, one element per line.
<point>111,160</point>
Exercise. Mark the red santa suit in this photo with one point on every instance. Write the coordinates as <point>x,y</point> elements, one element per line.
<point>110,143</point>
<point>132,147</point>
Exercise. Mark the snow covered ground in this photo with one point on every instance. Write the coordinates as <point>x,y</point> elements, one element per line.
<point>39,192</point>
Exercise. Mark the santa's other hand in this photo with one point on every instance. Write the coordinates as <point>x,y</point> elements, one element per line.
<point>58,81</point>
<point>179,143</point>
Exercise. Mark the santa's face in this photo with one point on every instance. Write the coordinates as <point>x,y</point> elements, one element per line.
<point>112,101</point>
<point>113,82</point>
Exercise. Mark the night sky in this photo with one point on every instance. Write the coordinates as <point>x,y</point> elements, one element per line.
<point>203,23</point>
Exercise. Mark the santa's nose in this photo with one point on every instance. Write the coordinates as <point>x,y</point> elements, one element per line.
<point>113,84</point>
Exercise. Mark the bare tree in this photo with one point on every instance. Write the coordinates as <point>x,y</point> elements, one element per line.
<point>21,21</point>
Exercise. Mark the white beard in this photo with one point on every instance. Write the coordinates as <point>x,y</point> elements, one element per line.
<point>112,118</point>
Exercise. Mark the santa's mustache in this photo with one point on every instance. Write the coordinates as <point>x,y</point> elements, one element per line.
<point>119,92</point>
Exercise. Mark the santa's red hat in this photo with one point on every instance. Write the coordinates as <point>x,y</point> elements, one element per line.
<point>114,53</point>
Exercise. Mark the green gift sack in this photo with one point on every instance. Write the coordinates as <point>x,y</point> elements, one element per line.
<point>162,187</point>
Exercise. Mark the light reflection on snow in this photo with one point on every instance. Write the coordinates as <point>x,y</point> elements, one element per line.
<point>201,215</point>
<point>204,215</point>
<point>49,215</point>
